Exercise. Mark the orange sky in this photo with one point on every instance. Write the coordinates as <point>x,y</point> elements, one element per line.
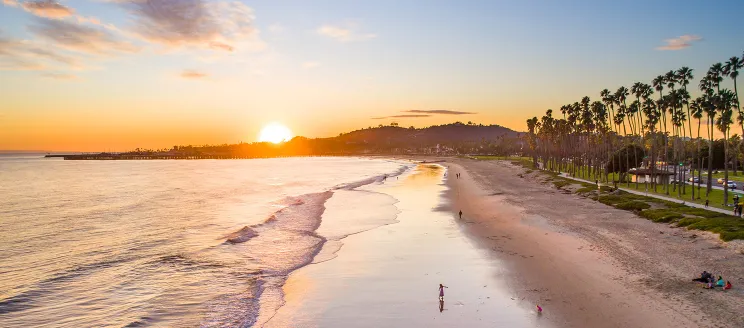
<point>85,75</point>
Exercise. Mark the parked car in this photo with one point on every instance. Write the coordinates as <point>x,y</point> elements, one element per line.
<point>731,185</point>
<point>694,180</point>
<point>720,180</point>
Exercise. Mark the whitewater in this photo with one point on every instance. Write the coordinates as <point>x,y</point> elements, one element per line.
<point>205,243</point>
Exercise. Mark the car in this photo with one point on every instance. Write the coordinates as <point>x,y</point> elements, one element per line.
<point>720,180</point>
<point>731,185</point>
<point>694,180</point>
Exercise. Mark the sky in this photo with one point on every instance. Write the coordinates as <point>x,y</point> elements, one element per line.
<point>114,75</point>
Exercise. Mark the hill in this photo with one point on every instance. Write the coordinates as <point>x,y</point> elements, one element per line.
<point>437,134</point>
<point>448,139</point>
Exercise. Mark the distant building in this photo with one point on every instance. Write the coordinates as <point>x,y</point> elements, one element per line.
<point>645,175</point>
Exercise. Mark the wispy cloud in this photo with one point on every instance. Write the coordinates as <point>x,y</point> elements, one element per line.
<point>310,64</point>
<point>47,8</point>
<point>173,23</point>
<point>679,43</point>
<point>439,111</point>
<point>26,55</point>
<point>344,33</point>
<point>59,76</point>
<point>11,3</point>
<point>193,74</point>
<point>81,38</point>
<point>401,116</point>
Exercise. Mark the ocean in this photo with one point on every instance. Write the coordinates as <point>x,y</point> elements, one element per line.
<point>204,243</point>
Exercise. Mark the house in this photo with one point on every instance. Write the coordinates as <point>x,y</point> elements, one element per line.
<point>642,175</point>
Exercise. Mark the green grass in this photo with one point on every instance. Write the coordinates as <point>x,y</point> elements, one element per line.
<point>561,183</point>
<point>661,215</point>
<point>499,158</point>
<point>728,227</point>
<point>633,205</point>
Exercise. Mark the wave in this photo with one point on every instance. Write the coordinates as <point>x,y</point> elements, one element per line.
<point>286,241</point>
<point>377,178</point>
<point>241,236</point>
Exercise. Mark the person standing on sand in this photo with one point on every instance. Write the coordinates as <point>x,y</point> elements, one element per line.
<point>461,215</point>
<point>441,292</point>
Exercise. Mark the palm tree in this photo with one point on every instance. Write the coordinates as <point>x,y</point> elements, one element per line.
<point>731,69</point>
<point>620,96</point>
<point>724,104</point>
<point>706,86</point>
<point>652,118</point>
<point>658,84</point>
<point>697,112</point>
<point>532,141</point>
<point>684,75</point>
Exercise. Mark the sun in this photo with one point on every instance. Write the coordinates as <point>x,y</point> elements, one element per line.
<point>275,133</point>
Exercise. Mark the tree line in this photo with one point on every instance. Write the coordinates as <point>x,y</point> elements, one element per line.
<point>647,124</point>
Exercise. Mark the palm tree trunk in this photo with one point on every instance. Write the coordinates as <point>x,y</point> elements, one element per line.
<point>710,159</point>
<point>653,160</point>
<point>725,170</point>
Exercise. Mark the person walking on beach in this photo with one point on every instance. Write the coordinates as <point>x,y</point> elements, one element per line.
<point>461,215</point>
<point>441,292</point>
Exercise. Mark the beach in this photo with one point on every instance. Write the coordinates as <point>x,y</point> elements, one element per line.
<point>354,242</point>
<point>389,276</point>
<point>591,265</point>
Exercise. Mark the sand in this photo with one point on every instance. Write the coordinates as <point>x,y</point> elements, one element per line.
<point>389,276</point>
<point>588,264</point>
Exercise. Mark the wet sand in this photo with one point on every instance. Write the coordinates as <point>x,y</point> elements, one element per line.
<point>591,265</point>
<point>389,276</point>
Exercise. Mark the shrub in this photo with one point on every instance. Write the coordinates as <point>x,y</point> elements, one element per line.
<point>633,205</point>
<point>731,235</point>
<point>661,215</point>
<point>688,221</point>
<point>697,212</point>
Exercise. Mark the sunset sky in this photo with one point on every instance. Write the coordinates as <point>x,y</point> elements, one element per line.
<point>93,75</point>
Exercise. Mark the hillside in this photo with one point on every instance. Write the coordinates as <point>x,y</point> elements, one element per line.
<point>455,138</point>
<point>437,134</point>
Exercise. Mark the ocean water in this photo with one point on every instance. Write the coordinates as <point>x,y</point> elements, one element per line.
<point>170,243</point>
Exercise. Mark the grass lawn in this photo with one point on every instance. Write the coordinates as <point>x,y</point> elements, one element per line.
<point>502,158</point>
<point>716,176</point>
<point>715,197</point>
<point>727,226</point>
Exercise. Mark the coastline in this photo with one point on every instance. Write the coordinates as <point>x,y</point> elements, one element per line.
<point>588,264</point>
<point>388,276</point>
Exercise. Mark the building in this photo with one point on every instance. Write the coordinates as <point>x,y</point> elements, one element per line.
<point>644,175</point>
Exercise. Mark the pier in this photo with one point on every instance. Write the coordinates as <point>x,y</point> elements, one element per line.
<point>114,157</point>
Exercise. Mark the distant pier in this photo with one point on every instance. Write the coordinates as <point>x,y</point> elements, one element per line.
<point>115,157</point>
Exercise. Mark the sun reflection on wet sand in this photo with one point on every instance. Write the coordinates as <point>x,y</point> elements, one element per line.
<point>388,276</point>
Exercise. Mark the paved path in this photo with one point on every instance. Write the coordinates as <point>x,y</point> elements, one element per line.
<point>674,200</point>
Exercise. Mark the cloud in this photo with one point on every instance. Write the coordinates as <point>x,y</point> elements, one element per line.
<point>175,23</point>
<point>310,65</point>
<point>80,38</point>
<point>11,3</point>
<point>25,55</point>
<point>59,76</point>
<point>192,74</point>
<point>401,116</point>
<point>343,34</point>
<point>439,111</point>
<point>679,43</point>
<point>47,8</point>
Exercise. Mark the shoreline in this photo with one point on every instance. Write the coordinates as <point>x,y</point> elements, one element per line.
<point>388,276</point>
<point>588,264</point>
